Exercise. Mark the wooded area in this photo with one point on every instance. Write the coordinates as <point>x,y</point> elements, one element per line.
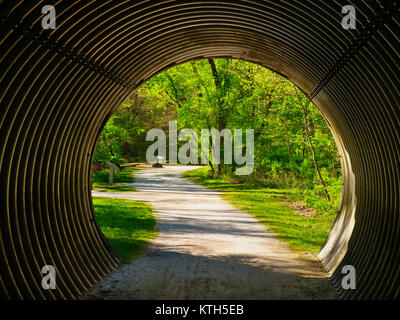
<point>294,147</point>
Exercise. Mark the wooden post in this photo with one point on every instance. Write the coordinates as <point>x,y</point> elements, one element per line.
<point>111,176</point>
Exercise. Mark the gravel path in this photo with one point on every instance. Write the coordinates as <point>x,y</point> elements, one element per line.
<point>207,249</point>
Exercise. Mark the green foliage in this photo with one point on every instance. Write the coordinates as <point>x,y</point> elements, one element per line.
<point>126,224</point>
<point>109,147</point>
<point>293,144</point>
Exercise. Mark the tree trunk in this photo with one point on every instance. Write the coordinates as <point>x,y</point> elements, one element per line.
<point>287,135</point>
<point>220,119</point>
<point>307,132</point>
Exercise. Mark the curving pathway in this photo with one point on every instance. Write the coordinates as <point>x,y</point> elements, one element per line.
<point>207,249</point>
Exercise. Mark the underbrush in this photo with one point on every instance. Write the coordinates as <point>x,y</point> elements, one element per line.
<point>125,176</point>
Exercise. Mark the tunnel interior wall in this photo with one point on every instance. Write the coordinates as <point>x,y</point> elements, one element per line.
<point>59,86</point>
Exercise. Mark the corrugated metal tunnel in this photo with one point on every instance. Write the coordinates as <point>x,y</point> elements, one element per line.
<point>59,87</point>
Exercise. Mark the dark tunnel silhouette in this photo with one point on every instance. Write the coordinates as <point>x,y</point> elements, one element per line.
<point>60,86</point>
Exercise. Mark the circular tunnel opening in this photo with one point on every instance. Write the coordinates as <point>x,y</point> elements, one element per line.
<point>294,147</point>
<point>60,85</point>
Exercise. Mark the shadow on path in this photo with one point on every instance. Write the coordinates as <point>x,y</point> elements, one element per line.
<point>207,249</point>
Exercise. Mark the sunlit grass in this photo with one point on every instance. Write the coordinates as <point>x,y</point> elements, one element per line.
<point>126,224</point>
<point>301,233</point>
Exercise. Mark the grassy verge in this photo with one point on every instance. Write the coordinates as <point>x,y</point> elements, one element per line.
<point>127,225</point>
<point>304,234</point>
<point>100,180</point>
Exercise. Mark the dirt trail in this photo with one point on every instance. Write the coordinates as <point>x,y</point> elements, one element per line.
<point>207,249</point>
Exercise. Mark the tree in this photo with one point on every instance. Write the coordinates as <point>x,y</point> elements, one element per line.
<point>293,144</point>
<point>305,108</point>
<point>109,147</point>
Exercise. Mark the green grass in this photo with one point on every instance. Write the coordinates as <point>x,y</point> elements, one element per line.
<point>301,233</point>
<point>100,180</point>
<point>126,224</point>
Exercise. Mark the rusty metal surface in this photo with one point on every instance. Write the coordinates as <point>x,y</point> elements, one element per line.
<point>58,88</point>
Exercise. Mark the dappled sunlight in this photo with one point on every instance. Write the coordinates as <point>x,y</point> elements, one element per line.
<point>208,249</point>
